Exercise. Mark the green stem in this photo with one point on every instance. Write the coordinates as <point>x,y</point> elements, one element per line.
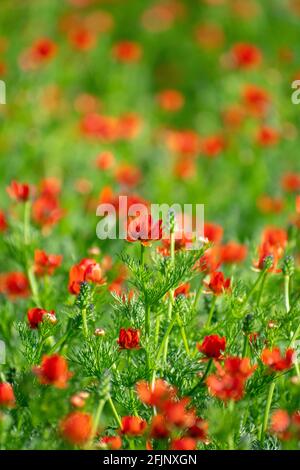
<point>253,288</point>
<point>198,384</point>
<point>267,411</point>
<point>291,345</point>
<point>142,259</point>
<point>197,296</point>
<point>262,285</point>
<point>183,334</point>
<point>97,417</point>
<point>171,293</point>
<point>246,344</point>
<point>115,413</point>
<point>27,210</point>
<point>211,312</point>
<point>84,322</point>
<point>287,293</point>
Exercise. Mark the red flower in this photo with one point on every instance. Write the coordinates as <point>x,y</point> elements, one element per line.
<point>199,430</point>
<point>276,361</point>
<point>127,51</point>
<point>245,56</point>
<point>270,205</point>
<point>87,270</point>
<point>229,382</point>
<point>133,426</point>
<point>213,145</point>
<point>291,182</point>
<point>111,442</point>
<point>36,316</point>
<point>218,284</point>
<point>280,421</point>
<point>15,285</point>
<point>129,338</point>
<point>7,396</point>
<point>212,346</point>
<point>82,39</point>
<point>210,261</point>
<point>128,175</point>
<point>170,100</point>
<point>159,428</point>
<point>185,142</point>
<point>155,395</point>
<point>183,443</point>
<point>267,136</point>
<point>43,50</point>
<point>50,187</point>
<point>184,289</point>
<point>105,160</point>
<point>18,191</point>
<point>3,222</point>
<point>177,413</point>
<point>46,211</point>
<point>144,229</point>
<point>46,264</point>
<point>77,427</point>
<point>275,237</point>
<point>213,232</point>
<point>256,100</point>
<point>53,371</point>
<point>233,252</point>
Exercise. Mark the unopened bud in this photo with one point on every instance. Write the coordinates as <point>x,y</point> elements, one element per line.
<point>99,332</point>
<point>288,267</point>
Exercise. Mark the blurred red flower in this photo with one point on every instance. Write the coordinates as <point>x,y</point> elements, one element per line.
<point>18,191</point>
<point>87,270</point>
<point>36,316</point>
<point>127,51</point>
<point>276,361</point>
<point>217,283</point>
<point>46,264</point>
<point>133,426</point>
<point>76,427</point>
<point>7,396</point>
<point>53,371</point>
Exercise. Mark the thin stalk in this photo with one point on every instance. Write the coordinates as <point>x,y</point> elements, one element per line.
<point>253,288</point>
<point>29,269</point>
<point>211,312</point>
<point>287,293</point>
<point>171,293</point>
<point>246,345</point>
<point>183,334</point>
<point>142,256</point>
<point>97,417</point>
<point>291,345</point>
<point>208,367</point>
<point>197,296</point>
<point>27,210</point>
<point>84,322</point>
<point>261,289</point>
<point>267,411</point>
<point>115,413</point>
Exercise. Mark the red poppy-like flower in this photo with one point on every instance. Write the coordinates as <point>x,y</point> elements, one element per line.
<point>15,285</point>
<point>275,237</point>
<point>185,168</point>
<point>82,38</point>
<point>233,116</point>
<point>129,126</point>
<point>267,251</point>
<point>229,382</point>
<point>159,427</point>
<point>267,136</point>
<point>270,205</point>
<point>256,99</point>
<point>213,232</point>
<point>184,289</point>
<point>218,284</point>
<point>18,191</point>
<point>233,252</point>
<point>183,443</point>
<point>128,175</point>
<point>7,396</point>
<point>127,51</point>
<point>50,187</point>
<point>290,182</point>
<point>3,222</point>
<point>46,211</point>
<point>111,442</point>
<point>212,346</point>
<point>87,270</point>
<point>212,146</point>
<point>170,100</point>
<point>129,338</point>
<point>178,414</point>
<point>280,421</point>
<point>77,427</point>
<point>133,426</point>
<point>36,316</point>
<point>105,160</point>
<point>276,361</point>
<point>43,50</point>
<point>144,229</point>
<point>199,430</point>
<point>46,264</point>
<point>245,56</point>
<point>210,261</point>
<point>53,371</point>
<point>155,395</point>
<point>185,142</point>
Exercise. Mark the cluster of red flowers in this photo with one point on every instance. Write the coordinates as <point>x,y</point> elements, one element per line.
<point>285,427</point>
